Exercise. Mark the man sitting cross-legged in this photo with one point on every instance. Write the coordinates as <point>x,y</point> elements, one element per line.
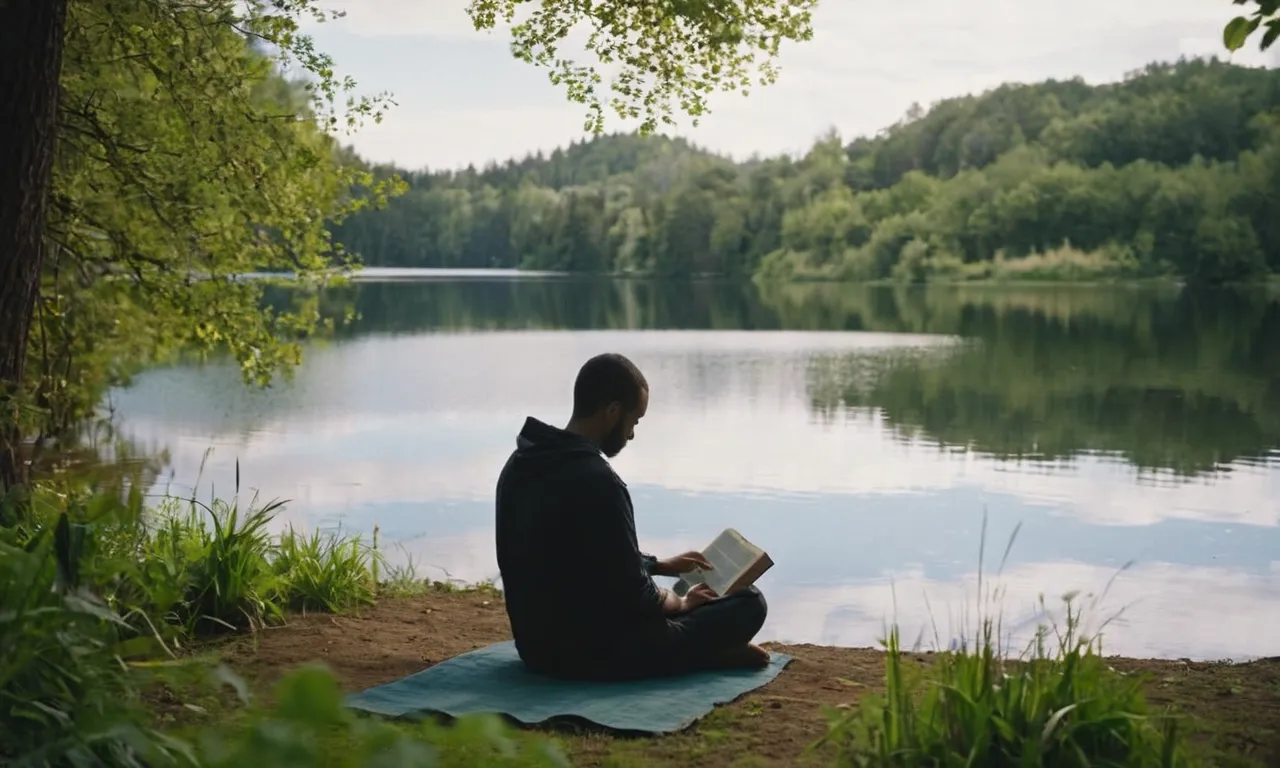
<point>578,590</point>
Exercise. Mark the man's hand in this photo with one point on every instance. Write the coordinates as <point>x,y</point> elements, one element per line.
<point>689,561</point>
<point>698,595</point>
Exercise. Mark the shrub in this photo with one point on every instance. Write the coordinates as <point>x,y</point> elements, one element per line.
<point>65,695</point>
<point>69,697</point>
<point>1069,264</point>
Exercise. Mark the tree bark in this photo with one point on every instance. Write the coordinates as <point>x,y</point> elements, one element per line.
<point>31,38</point>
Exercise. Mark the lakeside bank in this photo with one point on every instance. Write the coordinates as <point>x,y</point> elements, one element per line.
<point>1231,710</point>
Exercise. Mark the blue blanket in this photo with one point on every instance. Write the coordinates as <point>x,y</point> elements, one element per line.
<point>494,680</point>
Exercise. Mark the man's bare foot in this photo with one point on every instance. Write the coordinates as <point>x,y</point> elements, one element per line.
<point>749,656</point>
<point>761,656</point>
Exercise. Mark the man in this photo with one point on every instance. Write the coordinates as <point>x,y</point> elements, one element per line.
<point>578,590</point>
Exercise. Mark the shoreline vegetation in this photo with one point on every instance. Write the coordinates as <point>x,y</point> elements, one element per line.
<point>226,642</point>
<point>1171,173</point>
<point>992,275</point>
<point>1064,267</point>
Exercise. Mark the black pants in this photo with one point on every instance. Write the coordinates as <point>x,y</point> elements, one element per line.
<point>691,641</point>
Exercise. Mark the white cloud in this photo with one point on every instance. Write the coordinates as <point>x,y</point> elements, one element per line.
<point>425,138</point>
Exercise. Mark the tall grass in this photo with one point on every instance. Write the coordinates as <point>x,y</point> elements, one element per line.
<point>183,569</point>
<point>1057,703</point>
<point>324,572</point>
<point>224,561</point>
<point>211,568</point>
<point>94,594</point>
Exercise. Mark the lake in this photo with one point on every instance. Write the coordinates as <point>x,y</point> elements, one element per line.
<point>859,434</point>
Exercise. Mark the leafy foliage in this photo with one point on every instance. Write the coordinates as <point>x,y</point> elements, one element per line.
<point>669,53</point>
<point>1240,28</point>
<point>324,572</point>
<point>64,693</point>
<point>184,569</point>
<point>187,158</point>
<point>76,663</point>
<point>1173,172</point>
<point>217,568</point>
<point>308,718</point>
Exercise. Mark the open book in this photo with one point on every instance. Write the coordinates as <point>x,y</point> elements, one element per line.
<point>735,564</point>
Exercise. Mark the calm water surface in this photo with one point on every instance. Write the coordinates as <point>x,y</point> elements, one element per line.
<point>858,434</point>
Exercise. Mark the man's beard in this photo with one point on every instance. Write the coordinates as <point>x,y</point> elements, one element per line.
<point>614,442</point>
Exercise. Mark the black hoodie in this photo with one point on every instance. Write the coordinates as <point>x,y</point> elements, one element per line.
<point>574,580</point>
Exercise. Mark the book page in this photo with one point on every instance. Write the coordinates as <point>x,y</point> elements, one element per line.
<point>730,555</point>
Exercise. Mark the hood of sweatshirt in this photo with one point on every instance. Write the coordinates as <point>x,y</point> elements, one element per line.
<point>538,439</point>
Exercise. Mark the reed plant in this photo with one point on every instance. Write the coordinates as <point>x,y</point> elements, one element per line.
<point>182,568</point>
<point>324,572</point>
<point>1057,703</point>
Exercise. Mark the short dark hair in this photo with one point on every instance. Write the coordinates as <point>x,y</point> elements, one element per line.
<point>605,379</point>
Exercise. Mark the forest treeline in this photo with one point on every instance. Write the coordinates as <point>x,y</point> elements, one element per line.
<point>1174,171</point>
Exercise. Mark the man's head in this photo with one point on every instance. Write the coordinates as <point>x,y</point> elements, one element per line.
<point>610,396</point>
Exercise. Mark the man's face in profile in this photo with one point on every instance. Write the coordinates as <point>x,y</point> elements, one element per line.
<point>624,429</point>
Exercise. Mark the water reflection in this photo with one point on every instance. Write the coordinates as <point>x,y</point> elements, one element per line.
<point>1116,425</point>
<point>1189,385</point>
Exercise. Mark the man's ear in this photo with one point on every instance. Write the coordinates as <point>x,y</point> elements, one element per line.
<point>613,412</point>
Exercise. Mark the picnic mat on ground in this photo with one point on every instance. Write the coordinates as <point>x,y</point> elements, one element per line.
<point>494,680</point>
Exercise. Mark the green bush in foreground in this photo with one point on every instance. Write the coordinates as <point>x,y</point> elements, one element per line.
<point>65,695</point>
<point>308,726</point>
<point>69,695</point>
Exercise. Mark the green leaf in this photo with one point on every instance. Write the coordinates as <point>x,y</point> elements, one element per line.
<point>87,603</point>
<point>1269,37</point>
<point>311,695</point>
<point>1237,32</point>
<point>68,544</point>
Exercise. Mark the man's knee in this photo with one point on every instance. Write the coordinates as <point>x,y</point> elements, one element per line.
<point>754,609</point>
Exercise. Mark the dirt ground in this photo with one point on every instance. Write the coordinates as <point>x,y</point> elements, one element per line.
<point>1234,709</point>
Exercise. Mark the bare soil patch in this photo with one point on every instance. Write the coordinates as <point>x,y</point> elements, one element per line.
<point>1234,709</point>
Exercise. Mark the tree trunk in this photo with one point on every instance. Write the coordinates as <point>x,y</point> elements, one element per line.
<point>31,36</point>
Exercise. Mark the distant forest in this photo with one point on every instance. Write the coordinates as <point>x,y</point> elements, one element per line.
<point>1174,171</point>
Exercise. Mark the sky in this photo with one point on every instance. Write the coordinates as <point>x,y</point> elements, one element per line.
<point>461,98</point>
